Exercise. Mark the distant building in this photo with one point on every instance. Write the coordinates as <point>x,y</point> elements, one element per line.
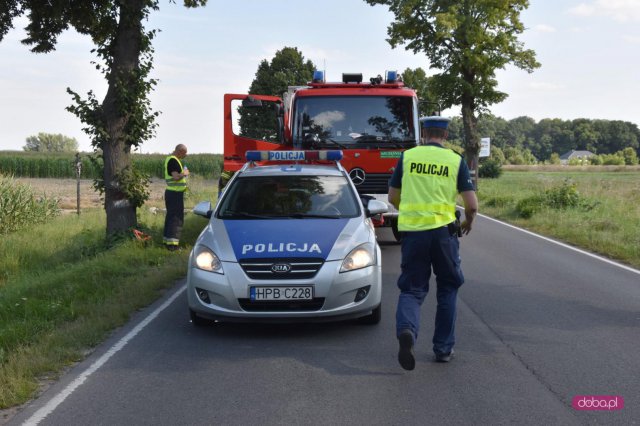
<point>575,155</point>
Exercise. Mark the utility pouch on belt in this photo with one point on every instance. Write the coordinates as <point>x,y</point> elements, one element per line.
<point>454,227</point>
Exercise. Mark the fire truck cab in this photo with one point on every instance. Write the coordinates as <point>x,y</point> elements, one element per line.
<point>371,122</point>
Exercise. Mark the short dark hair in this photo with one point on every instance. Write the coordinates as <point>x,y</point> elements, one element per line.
<point>436,132</point>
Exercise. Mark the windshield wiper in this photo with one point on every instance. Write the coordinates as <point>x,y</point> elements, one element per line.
<point>407,141</point>
<point>234,215</point>
<point>324,140</point>
<point>373,141</point>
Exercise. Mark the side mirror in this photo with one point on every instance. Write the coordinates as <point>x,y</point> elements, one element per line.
<point>426,108</point>
<point>310,140</point>
<point>251,102</point>
<point>203,209</point>
<point>375,207</point>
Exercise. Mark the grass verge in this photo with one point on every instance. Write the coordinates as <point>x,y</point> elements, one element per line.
<point>62,291</point>
<point>601,216</point>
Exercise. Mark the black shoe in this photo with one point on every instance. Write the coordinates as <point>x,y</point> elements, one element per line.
<point>444,357</point>
<point>172,247</point>
<point>405,355</point>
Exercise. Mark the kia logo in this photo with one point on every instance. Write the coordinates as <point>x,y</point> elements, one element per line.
<point>357,176</point>
<point>280,268</point>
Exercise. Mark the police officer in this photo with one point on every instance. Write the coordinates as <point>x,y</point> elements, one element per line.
<point>176,177</point>
<point>423,188</point>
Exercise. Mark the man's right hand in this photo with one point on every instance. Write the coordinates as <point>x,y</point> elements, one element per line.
<point>466,227</point>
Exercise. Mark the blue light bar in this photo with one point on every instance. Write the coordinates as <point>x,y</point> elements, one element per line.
<point>331,155</point>
<point>392,76</point>
<point>318,76</point>
<point>293,155</point>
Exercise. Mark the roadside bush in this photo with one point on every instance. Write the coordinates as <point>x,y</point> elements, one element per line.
<point>19,206</point>
<point>490,169</point>
<point>564,196</point>
<point>527,207</point>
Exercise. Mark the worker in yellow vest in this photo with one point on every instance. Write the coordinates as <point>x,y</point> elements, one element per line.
<point>424,187</point>
<point>175,174</point>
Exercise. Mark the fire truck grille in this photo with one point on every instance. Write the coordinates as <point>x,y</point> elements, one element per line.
<point>281,268</point>
<point>375,183</point>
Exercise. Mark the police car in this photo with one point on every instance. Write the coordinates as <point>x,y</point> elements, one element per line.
<point>288,240</point>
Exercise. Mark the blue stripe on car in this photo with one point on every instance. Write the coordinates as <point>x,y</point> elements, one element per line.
<point>252,239</point>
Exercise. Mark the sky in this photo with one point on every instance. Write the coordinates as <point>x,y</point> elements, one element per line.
<point>589,51</point>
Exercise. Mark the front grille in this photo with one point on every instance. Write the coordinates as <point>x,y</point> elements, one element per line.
<point>282,306</point>
<point>374,183</point>
<point>301,268</point>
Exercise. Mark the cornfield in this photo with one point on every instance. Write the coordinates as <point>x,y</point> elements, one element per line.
<point>19,206</point>
<point>62,165</point>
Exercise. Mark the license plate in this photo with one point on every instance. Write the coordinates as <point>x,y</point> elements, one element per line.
<point>281,293</point>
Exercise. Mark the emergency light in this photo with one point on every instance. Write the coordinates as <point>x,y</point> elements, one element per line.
<point>318,76</point>
<point>392,76</point>
<point>293,155</point>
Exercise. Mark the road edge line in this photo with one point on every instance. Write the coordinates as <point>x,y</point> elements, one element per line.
<point>54,402</point>
<point>595,256</point>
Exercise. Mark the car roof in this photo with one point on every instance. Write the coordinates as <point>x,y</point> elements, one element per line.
<point>301,169</point>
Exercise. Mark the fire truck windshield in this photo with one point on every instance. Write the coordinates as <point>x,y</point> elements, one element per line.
<point>355,122</point>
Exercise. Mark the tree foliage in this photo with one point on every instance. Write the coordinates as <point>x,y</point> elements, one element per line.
<point>287,68</point>
<point>548,136</point>
<point>49,142</point>
<point>124,117</point>
<point>417,80</point>
<point>467,41</point>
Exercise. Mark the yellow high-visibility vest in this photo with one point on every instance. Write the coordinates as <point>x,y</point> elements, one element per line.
<point>429,188</point>
<point>174,185</point>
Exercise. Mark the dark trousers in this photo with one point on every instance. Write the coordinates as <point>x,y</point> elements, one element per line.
<point>421,251</point>
<point>174,202</point>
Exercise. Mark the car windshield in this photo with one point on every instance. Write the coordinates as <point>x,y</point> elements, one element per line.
<point>295,197</point>
<point>353,122</point>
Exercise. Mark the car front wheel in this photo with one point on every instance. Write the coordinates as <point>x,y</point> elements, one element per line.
<point>373,318</point>
<point>198,321</point>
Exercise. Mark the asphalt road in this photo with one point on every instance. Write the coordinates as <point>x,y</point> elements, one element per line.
<point>538,324</point>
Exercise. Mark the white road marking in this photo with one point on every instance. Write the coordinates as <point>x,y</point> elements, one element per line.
<point>47,409</point>
<point>595,256</point>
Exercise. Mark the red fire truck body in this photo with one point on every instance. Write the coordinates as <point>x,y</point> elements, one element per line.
<point>372,123</point>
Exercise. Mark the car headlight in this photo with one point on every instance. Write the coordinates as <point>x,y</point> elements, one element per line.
<point>204,258</point>
<point>360,257</point>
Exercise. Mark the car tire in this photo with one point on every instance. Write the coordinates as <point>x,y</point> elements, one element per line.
<point>198,321</point>
<point>373,318</point>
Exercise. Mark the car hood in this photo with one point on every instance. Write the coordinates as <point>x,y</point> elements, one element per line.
<point>329,239</point>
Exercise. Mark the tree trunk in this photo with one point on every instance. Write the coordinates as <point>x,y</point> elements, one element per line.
<point>125,48</point>
<point>471,137</point>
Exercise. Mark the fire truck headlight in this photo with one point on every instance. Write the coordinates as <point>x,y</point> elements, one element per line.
<point>360,257</point>
<point>205,259</point>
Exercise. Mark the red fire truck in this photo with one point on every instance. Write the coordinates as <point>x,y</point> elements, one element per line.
<point>371,122</point>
